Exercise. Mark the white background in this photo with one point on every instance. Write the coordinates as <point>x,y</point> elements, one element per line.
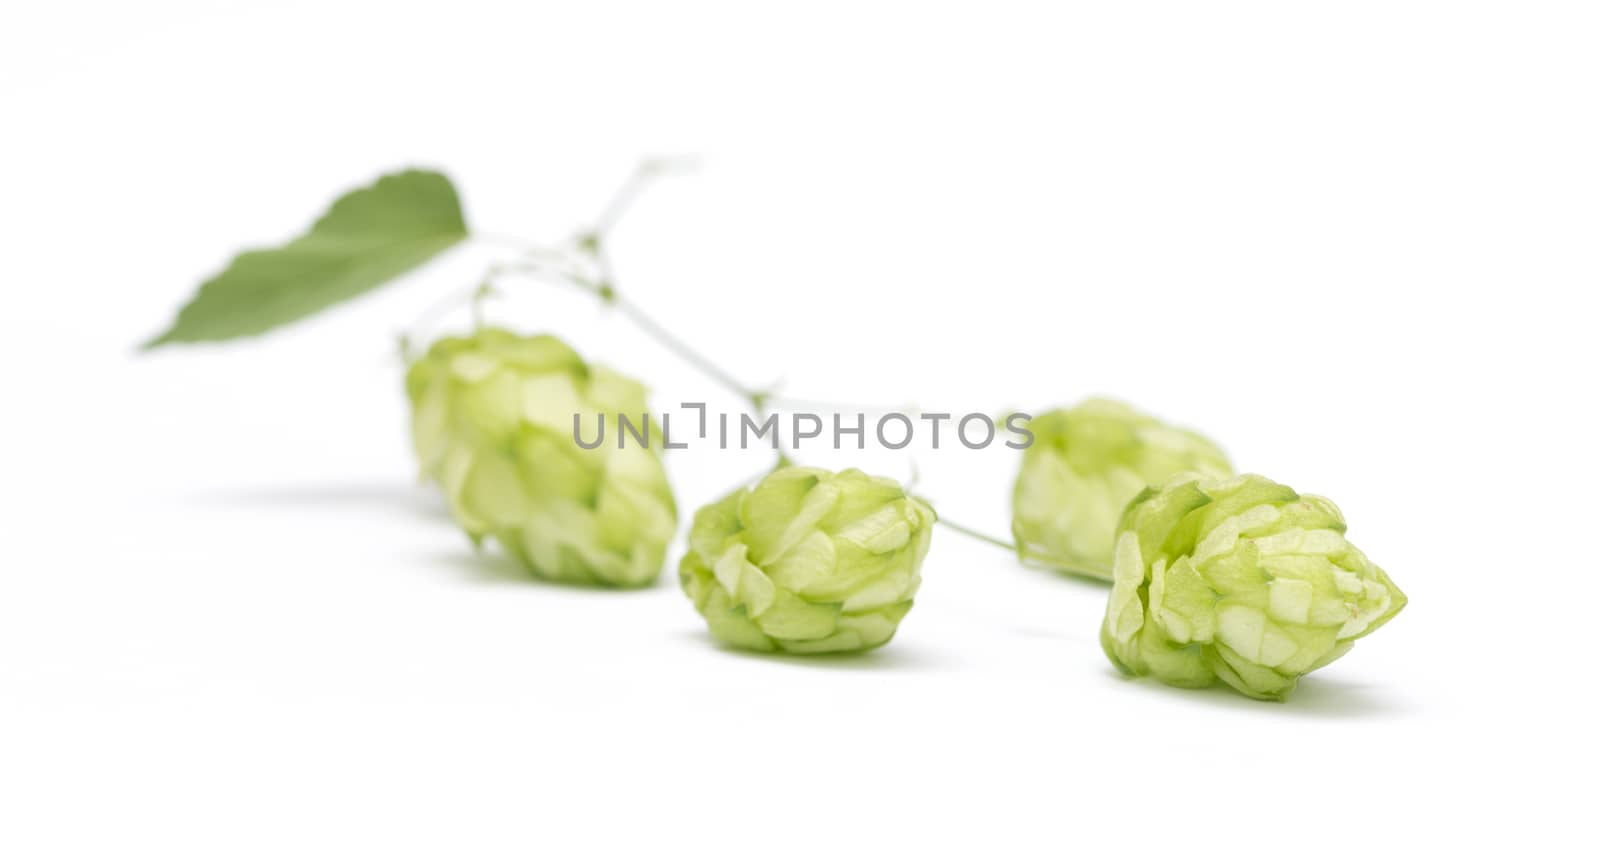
<point>1354,242</point>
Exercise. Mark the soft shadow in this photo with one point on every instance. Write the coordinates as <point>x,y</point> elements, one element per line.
<point>496,567</point>
<point>885,658</point>
<point>412,499</point>
<point>1314,697</point>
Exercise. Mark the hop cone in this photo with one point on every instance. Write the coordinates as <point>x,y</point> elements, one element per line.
<point>1083,467</point>
<point>1242,580</point>
<point>492,422</point>
<point>807,561</point>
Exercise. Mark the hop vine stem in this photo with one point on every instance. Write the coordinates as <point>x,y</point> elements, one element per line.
<point>585,263</point>
<point>977,534</point>
<point>1011,547</point>
<point>682,350</point>
<point>595,243</point>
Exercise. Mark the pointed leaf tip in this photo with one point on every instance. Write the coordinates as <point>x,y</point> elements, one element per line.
<point>367,237</point>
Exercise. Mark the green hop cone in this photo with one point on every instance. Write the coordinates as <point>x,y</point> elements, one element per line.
<point>807,561</point>
<point>1242,580</point>
<point>492,422</point>
<point>1083,467</point>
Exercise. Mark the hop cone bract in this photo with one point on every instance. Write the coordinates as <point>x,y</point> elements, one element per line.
<point>807,561</point>
<point>1242,580</point>
<point>1083,467</point>
<point>492,422</point>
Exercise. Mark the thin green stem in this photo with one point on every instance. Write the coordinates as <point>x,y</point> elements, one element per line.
<point>688,354</point>
<point>623,199</point>
<point>1027,560</point>
<point>435,312</point>
<point>586,264</point>
<point>981,537</point>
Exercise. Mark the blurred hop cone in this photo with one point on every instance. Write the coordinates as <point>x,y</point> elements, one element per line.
<point>1239,579</point>
<point>1084,466</point>
<point>492,422</point>
<point>808,561</point>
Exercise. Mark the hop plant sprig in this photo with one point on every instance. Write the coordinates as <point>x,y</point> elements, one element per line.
<point>1242,580</point>
<point>492,424</point>
<point>1083,467</point>
<point>808,561</point>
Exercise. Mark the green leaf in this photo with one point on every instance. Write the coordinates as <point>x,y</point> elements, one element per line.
<point>369,236</point>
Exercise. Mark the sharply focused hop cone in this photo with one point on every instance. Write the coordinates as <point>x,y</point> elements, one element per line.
<point>808,561</point>
<point>1242,580</point>
<point>492,422</point>
<point>1083,467</point>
